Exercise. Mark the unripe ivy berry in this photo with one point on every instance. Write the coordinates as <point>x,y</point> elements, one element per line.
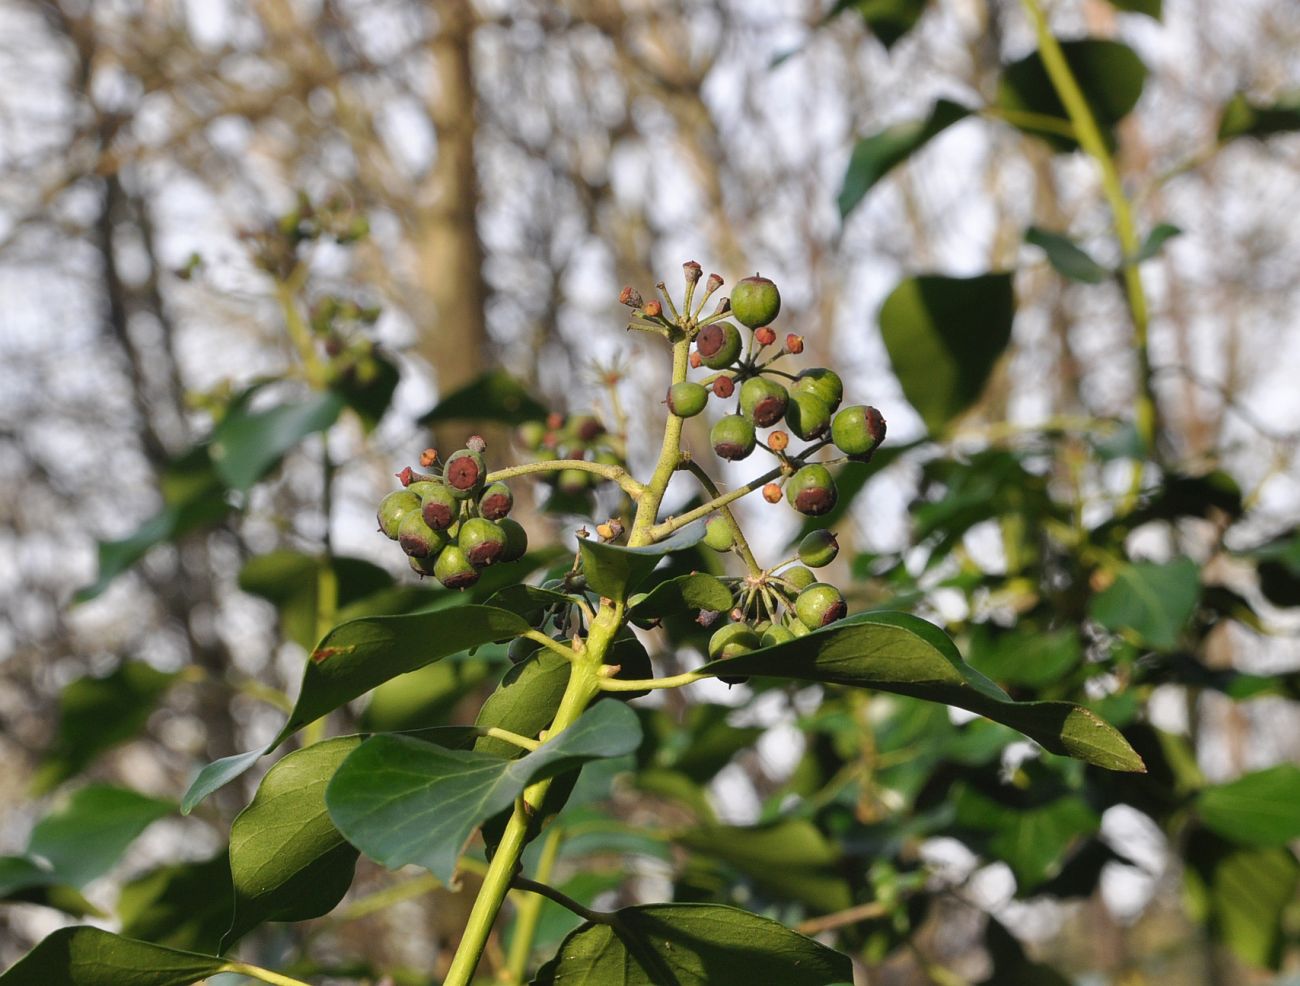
<point>687,399</point>
<point>393,508</point>
<point>717,534</point>
<point>464,474</point>
<point>822,383</point>
<point>763,401</point>
<point>454,570</point>
<point>799,577</point>
<point>811,490</point>
<point>718,345</point>
<point>796,627</point>
<point>818,548</point>
<point>733,437</point>
<point>496,501</point>
<point>724,387</point>
<point>732,640</point>
<point>755,301</point>
<point>858,430</point>
<point>585,427</point>
<point>423,486</point>
<point>819,605</point>
<point>765,336</point>
<point>807,415</point>
<point>516,539</point>
<point>417,538</point>
<point>439,506</point>
<point>775,634</point>
<point>772,492</point>
<point>482,540</point>
<point>520,648</point>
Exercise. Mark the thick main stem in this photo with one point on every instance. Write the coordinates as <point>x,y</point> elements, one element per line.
<point>670,452</point>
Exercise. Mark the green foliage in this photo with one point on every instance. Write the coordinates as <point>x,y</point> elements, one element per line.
<point>889,20</point>
<point>1067,257</point>
<point>1150,602</point>
<point>494,396</point>
<point>247,444</point>
<point>90,957</point>
<point>1244,118</point>
<point>875,156</point>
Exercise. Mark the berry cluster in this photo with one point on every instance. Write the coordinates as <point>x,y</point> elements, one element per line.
<point>451,522</point>
<point>572,436</point>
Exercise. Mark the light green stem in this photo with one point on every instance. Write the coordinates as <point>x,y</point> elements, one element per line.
<point>266,975</point>
<point>530,911</point>
<point>737,535</point>
<point>650,684</point>
<point>523,742</point>
<point>670,453</point>
<point>615,474</point>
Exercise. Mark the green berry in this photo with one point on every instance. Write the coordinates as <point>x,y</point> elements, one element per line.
<point>763,401</point>
<point>732,640</point>
<point>818,605</point>
<point>584,427</point>
<point>818,548</point>
<point>496,501</point>
<point>858,430</point>
<point>454,570</point>
<point>755,301</point>
<point>417,538</point>
<point>520,648</point>
<point>439,506</point>
<point>530,434</point>
<point>775,634</point>
<point>573,481</point>
<point>393,508</point>
<point>733,437</point>
<point>687,398</point>
<point>811,490</point>
<point>796,627</point>
<point>799,577</point>
<point>717,534</point>
<point>822,383</point>
<point>482,540</point>
<point>423,487</point>
<point>422,566</point>
<point>464,474</point>
<point>718,345</point>
<point>516,539</point>
<point>807,415</point>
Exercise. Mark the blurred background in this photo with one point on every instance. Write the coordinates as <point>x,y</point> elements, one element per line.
<point>500,170</point>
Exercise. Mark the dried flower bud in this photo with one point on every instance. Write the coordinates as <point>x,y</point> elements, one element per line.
<point>405,476</point>
<point>737,615</point>
<point>765,336</point>
<point>793,344</point>
<point>555,421</point>
<point>653,309</point>
<point>693,271</point>
<point>707,617</point>
<point>713,283</point>
<point>778,440</point>
<point>696,360</point>
<point>724,387</point>
<point>724,306</point>
<point>428,457</point>
<point>476,444</point>
<point>631,297</point>
<point>772,493</point>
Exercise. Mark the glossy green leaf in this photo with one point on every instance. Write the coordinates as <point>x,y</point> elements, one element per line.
<point>369,389</point>
<point>1110,75</point>
<point>875,156</point>
<point>187,905</point>
<point>1259,809</point>
<point>1244,118</point>
<point>673,597</point>
<point>1035,840</point>
<point>691,945</point>
<point>1067,257</point>
<point>291,580</point>
<point>27,881</point>
<point>888,20</point>
<point>900,653</point>
<point>401,800</point>
<point>355,657</point>
<point>1025,655</point>
<point>1243,894</point>
<point>525,702</point>
<point>1152,602</point>
<point>90,957</point>
<point>494,396</point>
<point>944,336</point>
<point>429,696</point>
<point>246,445</point>
<point>96,714</point>
<point>287,860</point>
<point>613,570</point>
<point>1149,7</point>
<point>1156,239</point>
<point>790,859</point>
<point>84,838</point>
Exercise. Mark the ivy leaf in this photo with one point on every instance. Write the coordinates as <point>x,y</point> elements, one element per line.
<point>90,957</point>
<point>246,445</point>
<point>26,881</point>
<point>85,837</point>
<point>691,945</point>
<point>1244,118</point>
<point>1034,840</point>
<point>524,703</point>
<point>1157,238</point>
<point>944,336</point>
<point>494,396</point>
<point>875,156</point>
<point>888,20</point>
<point>287,860</point>
<point>1259,809</point>
<point>401,800</point>
<point>673,597</point>
<point>896,652</point>
<point>1067,257</point>
<point>1150,601</point>
<point>1149,7</point>
<point>96,714</point>
<point>613,570</point>
<point>186,905</point>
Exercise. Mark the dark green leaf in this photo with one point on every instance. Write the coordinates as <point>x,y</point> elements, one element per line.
<point>246,445</point>
<point>613,570</point>
<point>673,597</point>
<point>691,945</point>
<point>1155,240</point>
<point>1010,964</point>
<point>287,860</point>
<point>84,838</point>
<point>1260,809</point>
<point>426,697</point>
<point>401,800</point>
<point>96,714</point>
<point>216,775</point>
<point>875,156</point>
<point>27,881</point>
<point>1149,7</point>
<point>1034,841</point>
<point>1244,118</point>
<point>1066,257</point>
<point>889,20</point>
<point>90,957</point>
<point>525,702</point>
<point>944,335</point>
<point>1110,75</point>
<point>186,906</point>
<point>1025,655</point>
<point>495,396</point>
<point>900,653</point>
<point>700,746</point>
<point>1150,601</point>
<point>1243,894</point>
<point>369,389</point>
<point>291,581</point>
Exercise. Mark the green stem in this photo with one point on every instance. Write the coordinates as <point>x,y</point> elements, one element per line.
<point>1031,121</point>
<point>266,975</point>
<point>545,641</point>
<point>615,474</point>
<point>670,453</point>
<point>644,684</point>
<point>523,742</point>
<point>529,910</point>
<point>717,503</point>
<point>372,903</point>
<point>1091,140</point>
<point>286,294</point>
<point>737,535</point>
<point>563,899</point>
